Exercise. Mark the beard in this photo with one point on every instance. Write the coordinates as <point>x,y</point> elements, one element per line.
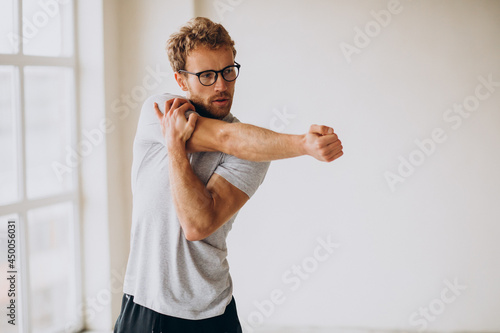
<point>206,107</point>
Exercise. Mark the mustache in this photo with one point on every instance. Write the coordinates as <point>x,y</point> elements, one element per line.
<point>221,96</point>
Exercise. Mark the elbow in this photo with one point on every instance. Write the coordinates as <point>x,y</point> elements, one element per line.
<point>193,235</point>
<point>201,230</point>
<point>195,232</point>
<point>224,141</point>
<point>198,226</point>
<point>234,145</point>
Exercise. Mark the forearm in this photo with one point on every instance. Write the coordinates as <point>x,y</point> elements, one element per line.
<point>259,144</point>
<point>193,202</point>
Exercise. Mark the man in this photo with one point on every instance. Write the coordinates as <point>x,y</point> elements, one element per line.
<point>190,177</point>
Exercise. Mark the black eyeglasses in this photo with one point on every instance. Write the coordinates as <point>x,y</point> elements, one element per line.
<point>207,78</point>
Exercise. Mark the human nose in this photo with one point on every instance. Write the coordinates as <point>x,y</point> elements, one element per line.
<point>220,84</point>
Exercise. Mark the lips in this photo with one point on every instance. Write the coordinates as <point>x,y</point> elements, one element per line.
<point>221,101</point>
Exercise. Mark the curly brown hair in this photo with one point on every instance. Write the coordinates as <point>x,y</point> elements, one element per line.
<point>199,31</point>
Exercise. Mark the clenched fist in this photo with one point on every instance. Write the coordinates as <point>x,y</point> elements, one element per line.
<point>322,143</point>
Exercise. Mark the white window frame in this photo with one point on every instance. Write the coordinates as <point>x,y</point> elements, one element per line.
<point>21,207</point>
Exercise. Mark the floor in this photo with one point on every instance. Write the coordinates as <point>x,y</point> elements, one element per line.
<point>333,330</point>
<point>316,330</point>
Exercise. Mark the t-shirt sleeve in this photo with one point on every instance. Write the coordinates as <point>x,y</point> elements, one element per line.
<point>245,175</point>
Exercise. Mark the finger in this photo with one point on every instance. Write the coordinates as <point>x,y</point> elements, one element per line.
<point>168,104</point>
<point>168,107</point>
<point>177,103</point>
<point>337,156</point>
<point>338,149</point>
<point>180,100</point>
<point>321,129</point>
<point>327,140</point>
<point>159,114</point>
<point>330,150</point>
<point>329,153</point>
<point>336,143</point>
<point>185,107</point>
<point>193,117</point>
<point>330,156</point>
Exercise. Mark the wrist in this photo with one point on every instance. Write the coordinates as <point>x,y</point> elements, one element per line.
<point>176,147</point>
<point>303,147</point>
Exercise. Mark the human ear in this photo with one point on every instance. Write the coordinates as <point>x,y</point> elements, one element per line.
<point>181,81</point>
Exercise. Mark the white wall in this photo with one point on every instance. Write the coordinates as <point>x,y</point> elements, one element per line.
<point>396,247</point>
<point>96,213</point>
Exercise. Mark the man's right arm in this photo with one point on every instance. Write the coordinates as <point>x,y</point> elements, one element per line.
<point>258,144</point>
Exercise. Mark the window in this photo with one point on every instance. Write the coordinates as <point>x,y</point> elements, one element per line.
<point>38,131</point>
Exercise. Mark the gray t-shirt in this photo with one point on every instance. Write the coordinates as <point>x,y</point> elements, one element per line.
<point>165,272</point>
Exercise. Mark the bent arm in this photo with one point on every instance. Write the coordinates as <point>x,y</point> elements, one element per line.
<point>201,210</point>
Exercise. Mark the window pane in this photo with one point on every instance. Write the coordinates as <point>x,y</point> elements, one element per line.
<point>48,111</point>
<point>8,36</point>
<point>8,175</point>
<point>47,27</point>
<point>51,265</point>
<point>4,283</point>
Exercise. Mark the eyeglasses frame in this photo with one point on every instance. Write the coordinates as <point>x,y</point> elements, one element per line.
<point>216,74</point>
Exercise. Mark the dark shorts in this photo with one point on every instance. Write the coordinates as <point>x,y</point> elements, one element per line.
<point>135,318</point>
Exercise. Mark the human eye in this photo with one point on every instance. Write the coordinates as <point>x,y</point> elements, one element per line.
<point>207,75</point>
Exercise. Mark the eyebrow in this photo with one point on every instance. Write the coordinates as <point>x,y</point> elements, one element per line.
<point>205,70</point>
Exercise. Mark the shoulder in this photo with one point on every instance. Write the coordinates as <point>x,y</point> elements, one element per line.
<point>148,126</point>
<point>147,113</point>
<point>160,99</point>
<point>230,118</point>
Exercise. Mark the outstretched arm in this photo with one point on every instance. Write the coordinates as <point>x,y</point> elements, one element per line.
<point>255,143</point>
